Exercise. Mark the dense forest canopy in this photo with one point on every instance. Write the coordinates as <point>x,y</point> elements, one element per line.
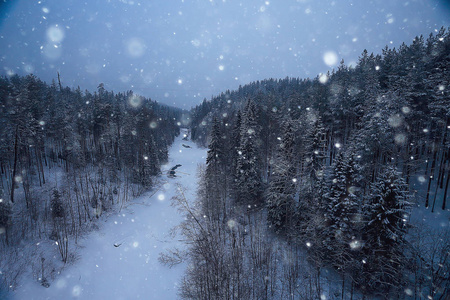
<point>66,156</point>
<point>340,168</point>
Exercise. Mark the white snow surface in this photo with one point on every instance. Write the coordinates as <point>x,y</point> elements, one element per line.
<point>131,270</point>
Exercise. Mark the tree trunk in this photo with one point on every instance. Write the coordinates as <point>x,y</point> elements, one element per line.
<point>13,179</point>
<point>444,199</point>
<point>433,165</point>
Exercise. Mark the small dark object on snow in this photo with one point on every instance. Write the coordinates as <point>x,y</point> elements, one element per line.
<point>174,168</point>
<point>45,283</point>
<point>172,172</point>
<point>186,146</point>
<point>117,244</point>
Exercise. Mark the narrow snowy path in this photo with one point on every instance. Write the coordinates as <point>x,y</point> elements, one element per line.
<point>120,261</point>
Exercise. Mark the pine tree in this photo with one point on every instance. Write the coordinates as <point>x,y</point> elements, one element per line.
<point>385,213</point>
<point>315,148</point>
<point>56,204</point>
<point>248,177</point>
<point>146,172</point>
<point>342,231</point>
<point>234,151</point>
<point>215,152</point>
<point>281,190</point>
<point>215,178</point>
<point>155,163</point>
<point>375,141</point>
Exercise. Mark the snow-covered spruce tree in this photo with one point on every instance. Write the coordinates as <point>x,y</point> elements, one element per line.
<point>309,229</point>
<point>343,226</point>
<point>412,82</point>
<point>312,170</point>
<point>343,206</point>
<point>315,148</point>
<point>375,141</point>
<point>215,151</point>
<point>368,85</point>
<point>312,177</point>
<point>271,129</point>
<point>343,104</point>
<point>281,191</point>
<point>248,175</point>
<point>234,152</point>
<point>215,178</point>
<point>386,210</point>
<point>146,172</point>
<point>150,163</point>
<point>155,163</point>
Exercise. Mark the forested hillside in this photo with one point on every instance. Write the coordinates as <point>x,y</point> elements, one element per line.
<point>67,156</point>
<point>309,181</point>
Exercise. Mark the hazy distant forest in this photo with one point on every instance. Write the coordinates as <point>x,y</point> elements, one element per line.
<point>306,180</point>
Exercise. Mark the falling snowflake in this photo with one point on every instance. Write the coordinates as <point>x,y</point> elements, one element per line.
<point>400,138</point>
<point>330,58</point>
<point>55,34</point>
<point>355,245</point>
<point>135,101</point>
<point>76,291</point>
<point>323,78</point>
<point>231,223</point>
<point>135,47</point>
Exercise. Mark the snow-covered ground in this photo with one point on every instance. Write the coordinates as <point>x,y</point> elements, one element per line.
<point>120,260</point>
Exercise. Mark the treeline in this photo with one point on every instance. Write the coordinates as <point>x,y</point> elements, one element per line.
<point>311,180</point>
<point>66,156</point>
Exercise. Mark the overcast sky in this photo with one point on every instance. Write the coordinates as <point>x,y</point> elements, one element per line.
<point>179,52</point>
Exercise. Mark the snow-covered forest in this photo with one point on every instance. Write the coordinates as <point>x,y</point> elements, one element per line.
<point>67,157</point>
<point>305,185</point>
<point>342,176</point>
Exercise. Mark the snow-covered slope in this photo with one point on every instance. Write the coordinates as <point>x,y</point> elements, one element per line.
<point>120,261</point>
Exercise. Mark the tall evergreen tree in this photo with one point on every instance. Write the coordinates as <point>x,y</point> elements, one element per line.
<point>316,148</point>
<point>343,203</point>
<point>281,190</point>
<point>386,211</point>
<point>248,174</point>
<point>234,148</point>
<point>215,178</point>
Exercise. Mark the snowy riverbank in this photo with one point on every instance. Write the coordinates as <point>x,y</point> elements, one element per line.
<point>120,260</point>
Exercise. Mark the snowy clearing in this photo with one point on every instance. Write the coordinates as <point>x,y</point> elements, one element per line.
<point>120,261</point>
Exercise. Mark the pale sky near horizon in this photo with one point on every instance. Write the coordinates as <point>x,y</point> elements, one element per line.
<point>179,52</point>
